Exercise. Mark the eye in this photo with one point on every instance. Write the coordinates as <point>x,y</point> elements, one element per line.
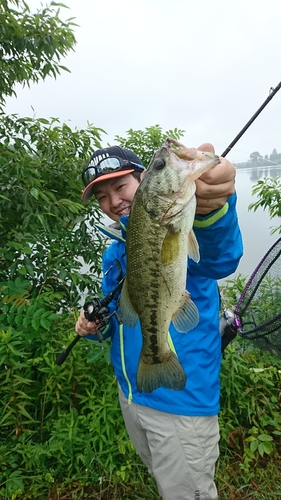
<point>100,198</point>
<point>159,164</point>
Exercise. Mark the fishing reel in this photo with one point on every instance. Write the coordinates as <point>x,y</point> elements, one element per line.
<point>95,310</point>
<point>98,311</point>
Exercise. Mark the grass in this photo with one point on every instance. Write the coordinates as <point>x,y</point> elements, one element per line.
<point>73,456</point>
<point>262,481</point>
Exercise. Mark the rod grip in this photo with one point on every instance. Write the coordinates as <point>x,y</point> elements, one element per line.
<point>63,355</point>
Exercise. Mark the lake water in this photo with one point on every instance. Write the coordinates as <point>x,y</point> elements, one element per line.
<point>255,226</point>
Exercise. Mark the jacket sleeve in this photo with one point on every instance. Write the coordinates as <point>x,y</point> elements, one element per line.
<point>220,242</point>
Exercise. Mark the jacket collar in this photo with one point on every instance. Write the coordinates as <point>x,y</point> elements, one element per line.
<point>116,230</point>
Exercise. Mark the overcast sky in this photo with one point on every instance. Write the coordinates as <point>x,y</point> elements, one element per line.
<point>204,66</point>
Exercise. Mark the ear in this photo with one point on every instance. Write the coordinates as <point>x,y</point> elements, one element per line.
<point>207,147</point>
<point>143,174</point>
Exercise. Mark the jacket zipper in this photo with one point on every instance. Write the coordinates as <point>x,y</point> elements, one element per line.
<point>130,394</point>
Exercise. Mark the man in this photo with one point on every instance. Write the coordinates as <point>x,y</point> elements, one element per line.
<point>175,432</point>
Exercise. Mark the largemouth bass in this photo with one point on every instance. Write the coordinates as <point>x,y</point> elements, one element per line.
<point>159,239</point>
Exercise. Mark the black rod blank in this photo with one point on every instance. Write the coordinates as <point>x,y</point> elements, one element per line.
<point>271,95</point>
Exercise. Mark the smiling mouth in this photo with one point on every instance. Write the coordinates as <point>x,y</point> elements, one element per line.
<point>124,211</point>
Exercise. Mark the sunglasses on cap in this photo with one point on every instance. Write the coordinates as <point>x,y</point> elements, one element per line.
<point>108,165</point>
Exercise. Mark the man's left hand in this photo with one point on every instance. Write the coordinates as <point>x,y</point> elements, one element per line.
<point>214,187</point>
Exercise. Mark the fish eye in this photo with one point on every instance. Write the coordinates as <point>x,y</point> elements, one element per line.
<point>159,164</point>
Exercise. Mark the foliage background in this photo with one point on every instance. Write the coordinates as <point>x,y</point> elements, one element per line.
<point>61,431</point>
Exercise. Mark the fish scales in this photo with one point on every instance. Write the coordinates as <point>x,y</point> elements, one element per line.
<point>159,238</point>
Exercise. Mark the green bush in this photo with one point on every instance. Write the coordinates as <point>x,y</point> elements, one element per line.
<point>46,237</point>
<point>250,419</point>
<point>58,423</point>
<point>61,425</point>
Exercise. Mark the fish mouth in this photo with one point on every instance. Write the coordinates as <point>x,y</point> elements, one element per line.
<point>170,143</point>
<point>188,154</point>
<point>179,149</point>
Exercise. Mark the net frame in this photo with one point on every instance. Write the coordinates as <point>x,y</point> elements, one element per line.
<point>265,335</point>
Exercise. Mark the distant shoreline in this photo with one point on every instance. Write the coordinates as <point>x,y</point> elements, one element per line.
<point>249,164</point>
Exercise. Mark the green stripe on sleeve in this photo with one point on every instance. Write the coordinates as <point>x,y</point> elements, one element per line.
<point>214,218</point>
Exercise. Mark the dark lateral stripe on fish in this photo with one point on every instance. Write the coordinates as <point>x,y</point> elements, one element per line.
<point>152,346</point>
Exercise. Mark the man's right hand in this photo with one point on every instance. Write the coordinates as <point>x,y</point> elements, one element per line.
<point>84,327</point>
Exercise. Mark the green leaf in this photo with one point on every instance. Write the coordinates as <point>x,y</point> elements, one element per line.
<point>38,313</point>
<point>265,437</point>
<point>254,445</point>
<point>30,310</point>
<point>267,448</point>
<point>35,323</point>
<point>261,449</point>
<point>46,324</point>
<point>18,320</point>
<point>22,270</point>
<point>30,269</point>
<point>35,193</point>
<point>26,321</point>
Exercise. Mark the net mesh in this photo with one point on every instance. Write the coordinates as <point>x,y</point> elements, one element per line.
<point>258,312</point>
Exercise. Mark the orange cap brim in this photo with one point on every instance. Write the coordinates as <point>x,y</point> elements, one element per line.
<point>90,189</point>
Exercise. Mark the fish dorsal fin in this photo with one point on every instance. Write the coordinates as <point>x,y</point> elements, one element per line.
<point>193,247</point>
<point>186,317</point>
<point>128,313</point>
<point>170,248</point>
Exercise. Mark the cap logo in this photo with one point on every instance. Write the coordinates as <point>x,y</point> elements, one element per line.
<point>94,161</point>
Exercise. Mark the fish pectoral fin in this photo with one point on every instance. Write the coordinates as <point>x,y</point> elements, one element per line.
<point>170,248</point>
<point>187,316</point>
<point>128,313</point>
<point>193,247</point>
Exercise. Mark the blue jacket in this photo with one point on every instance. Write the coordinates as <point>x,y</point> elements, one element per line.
<point>199,351</point>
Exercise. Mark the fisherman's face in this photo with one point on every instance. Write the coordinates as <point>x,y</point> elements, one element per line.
<point>115,196</point>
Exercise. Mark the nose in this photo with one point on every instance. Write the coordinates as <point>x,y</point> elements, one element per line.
<point>115,199</point>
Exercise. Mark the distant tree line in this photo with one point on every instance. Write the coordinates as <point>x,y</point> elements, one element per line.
<point>257,160</point>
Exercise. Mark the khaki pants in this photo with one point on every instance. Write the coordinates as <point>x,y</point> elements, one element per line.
<point>180,452</point>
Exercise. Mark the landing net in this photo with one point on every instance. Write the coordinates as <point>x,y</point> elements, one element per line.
<point>257,316</point>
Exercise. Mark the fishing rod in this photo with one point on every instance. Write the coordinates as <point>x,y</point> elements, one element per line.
<point>94,309</point>
<point>271,95</point>
<point>97,309</point>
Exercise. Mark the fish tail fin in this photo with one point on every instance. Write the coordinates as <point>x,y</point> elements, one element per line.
<point>169,373</point>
